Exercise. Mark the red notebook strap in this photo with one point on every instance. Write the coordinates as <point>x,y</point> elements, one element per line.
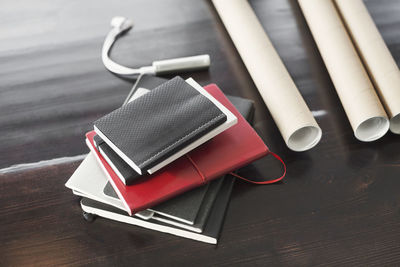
<point>240,177</point>
<point>268,181</point>
<point>197,168</point>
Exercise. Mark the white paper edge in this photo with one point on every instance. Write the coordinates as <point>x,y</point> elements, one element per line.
<point>148,225</point>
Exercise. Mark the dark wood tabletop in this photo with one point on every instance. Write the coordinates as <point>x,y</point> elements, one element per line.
<point>338,205</point>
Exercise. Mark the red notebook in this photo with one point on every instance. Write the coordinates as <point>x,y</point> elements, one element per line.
<point>234,148</point>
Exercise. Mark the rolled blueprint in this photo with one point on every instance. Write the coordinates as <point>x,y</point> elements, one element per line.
<point>287,107</point>
<point>353,86</point>
<point>375,55</point>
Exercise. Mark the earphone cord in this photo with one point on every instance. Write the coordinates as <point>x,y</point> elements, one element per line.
<point>112,66</point>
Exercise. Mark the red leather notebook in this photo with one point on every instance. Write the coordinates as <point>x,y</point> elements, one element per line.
<point>234,148</point>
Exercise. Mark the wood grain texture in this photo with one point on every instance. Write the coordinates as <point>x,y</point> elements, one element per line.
<point>339,204</point>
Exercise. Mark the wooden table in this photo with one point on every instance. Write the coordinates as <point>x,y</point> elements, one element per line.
<point>339,204</point>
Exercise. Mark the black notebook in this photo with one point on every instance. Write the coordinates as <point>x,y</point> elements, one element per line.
<point>190,210</point>
<point>124,172</point>
<point>210,232</point>
<point>155,126</point>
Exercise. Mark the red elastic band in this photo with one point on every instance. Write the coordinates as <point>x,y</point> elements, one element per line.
<point>269,181</point>
<point>203,178</point>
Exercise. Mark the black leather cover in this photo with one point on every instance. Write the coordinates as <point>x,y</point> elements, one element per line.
<point>160,123</point>
<point>98,142</point>
<point>121,168</point>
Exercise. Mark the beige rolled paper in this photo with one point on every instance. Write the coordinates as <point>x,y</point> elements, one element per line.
<point>375,55</point>
<point>353,86</point>
<point>287,107</point>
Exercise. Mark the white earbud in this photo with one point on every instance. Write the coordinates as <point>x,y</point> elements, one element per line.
<point>121,25</point>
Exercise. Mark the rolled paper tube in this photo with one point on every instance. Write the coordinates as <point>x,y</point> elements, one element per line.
<point>287,107</point>
<point>375,55</point>
<point>353,86</point>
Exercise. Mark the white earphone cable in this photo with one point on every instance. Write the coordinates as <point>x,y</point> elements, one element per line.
<point>121,25</point>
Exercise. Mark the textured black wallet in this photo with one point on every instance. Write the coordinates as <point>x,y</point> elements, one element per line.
<point>153,127</point>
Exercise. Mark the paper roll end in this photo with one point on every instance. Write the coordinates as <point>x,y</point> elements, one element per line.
<point>304,138</point>
<point>372,129</point>
<point>395,124</point>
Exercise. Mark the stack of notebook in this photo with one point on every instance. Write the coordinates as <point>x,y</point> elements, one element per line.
<point>162,160</point>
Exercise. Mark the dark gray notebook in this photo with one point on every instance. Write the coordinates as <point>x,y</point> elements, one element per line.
<point>191,208</point>
<point>210,231</point>
<point>151,128</point>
